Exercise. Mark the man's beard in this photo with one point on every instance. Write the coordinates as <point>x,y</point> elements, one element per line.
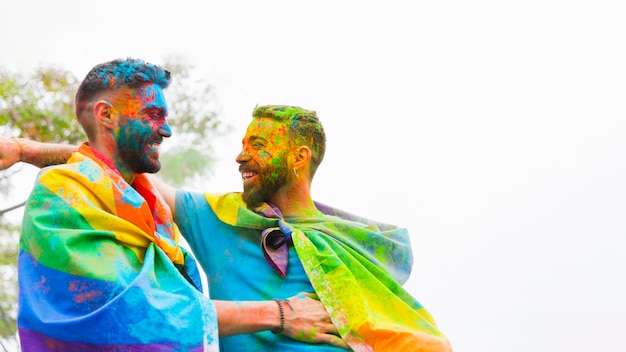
<point>138,161</point>
<point>133,149</point>
<point>269,181</point>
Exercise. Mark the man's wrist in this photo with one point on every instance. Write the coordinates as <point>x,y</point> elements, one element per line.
<point>20,147</point>
<point>281,311</point>
<point>283,306</point>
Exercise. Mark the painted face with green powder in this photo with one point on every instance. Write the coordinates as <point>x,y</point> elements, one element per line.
<point>142,125</point>
<point>263,160</point>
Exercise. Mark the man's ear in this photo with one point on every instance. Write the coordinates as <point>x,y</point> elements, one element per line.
<point>103,112</point>
<point>302,156</point>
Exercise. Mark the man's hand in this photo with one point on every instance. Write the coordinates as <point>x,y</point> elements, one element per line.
<point>10,152</point>
<point>307,320</point>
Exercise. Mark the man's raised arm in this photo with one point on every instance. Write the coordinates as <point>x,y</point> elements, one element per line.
<point>14,150</point>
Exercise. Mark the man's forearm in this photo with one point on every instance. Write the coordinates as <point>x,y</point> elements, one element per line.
<point>44,154</point>
<point>301,317</point>
<point>246,317</point>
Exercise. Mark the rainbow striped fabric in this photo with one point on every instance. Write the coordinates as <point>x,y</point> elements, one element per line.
<point>100,266</point>
<point>357,268</point>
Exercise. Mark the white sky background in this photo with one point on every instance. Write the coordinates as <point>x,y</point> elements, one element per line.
<point>493,131</point>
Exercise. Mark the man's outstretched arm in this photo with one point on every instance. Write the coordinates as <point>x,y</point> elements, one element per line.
<point>14,150</point>
<point>301,317</point>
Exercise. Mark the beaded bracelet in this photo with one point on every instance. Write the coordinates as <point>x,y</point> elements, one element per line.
<point>282,317</point>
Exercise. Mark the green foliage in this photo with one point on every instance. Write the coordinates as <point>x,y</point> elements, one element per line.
<point>40,107</point>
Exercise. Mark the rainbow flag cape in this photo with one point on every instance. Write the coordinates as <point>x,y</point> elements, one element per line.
<point>357,268</point>
<point>100,268</point>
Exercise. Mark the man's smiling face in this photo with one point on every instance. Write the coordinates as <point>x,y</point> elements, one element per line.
<point>142,125</point>
<point>263,160</point>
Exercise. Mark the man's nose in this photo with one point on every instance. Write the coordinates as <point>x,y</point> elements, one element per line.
<point>165,130</point>
<point>242,157</point>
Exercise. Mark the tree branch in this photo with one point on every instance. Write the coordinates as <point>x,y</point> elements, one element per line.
<point>11,208</point>
<point>4,348</point>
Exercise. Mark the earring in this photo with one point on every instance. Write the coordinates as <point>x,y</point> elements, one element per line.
<point>295,172</point>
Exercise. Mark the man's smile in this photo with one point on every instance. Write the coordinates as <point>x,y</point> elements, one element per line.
<point>247,175</point>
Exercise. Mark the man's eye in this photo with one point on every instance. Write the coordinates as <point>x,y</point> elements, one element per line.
<point>152,118</point>
<point>156,115</point>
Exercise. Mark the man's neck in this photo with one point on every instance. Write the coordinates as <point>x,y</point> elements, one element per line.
<point>295,202</point>
<point>108,157</point>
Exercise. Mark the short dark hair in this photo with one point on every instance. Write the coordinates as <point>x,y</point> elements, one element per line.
<point>119,73</point>
<point>304,128</point>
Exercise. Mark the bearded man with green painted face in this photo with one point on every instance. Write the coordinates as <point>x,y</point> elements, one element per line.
<point>273,240</point>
